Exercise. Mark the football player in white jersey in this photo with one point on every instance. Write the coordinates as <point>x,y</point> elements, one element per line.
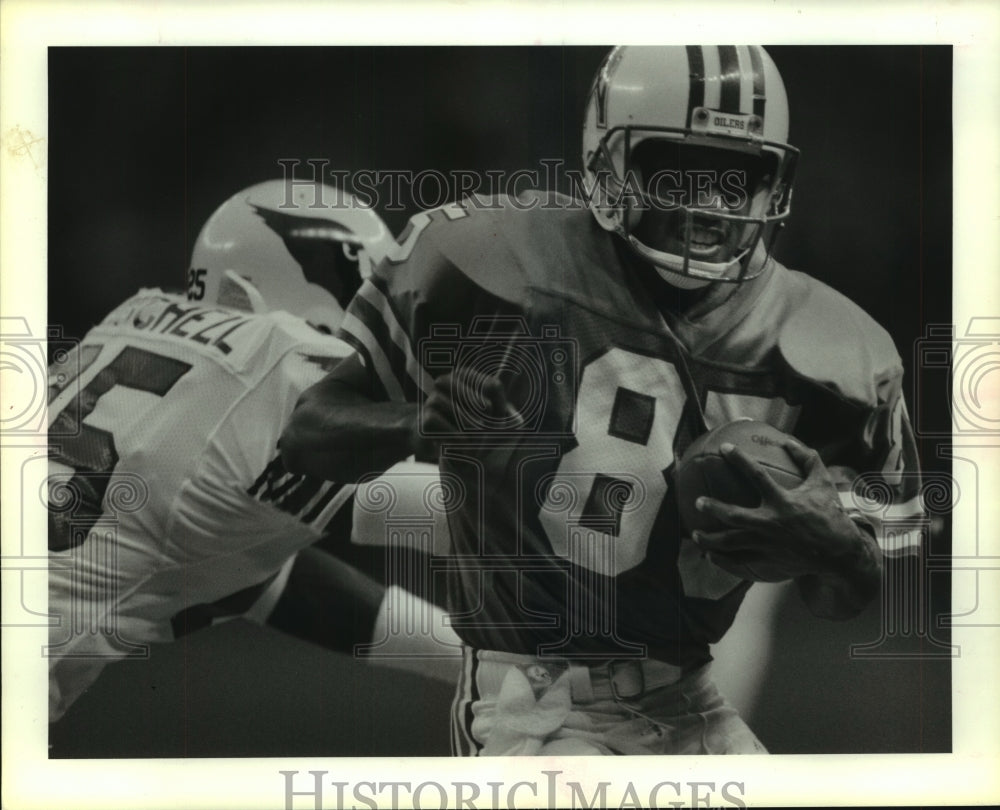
<point>169,504</point>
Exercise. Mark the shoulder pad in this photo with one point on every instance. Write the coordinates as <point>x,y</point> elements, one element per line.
<point>445,247</point>
<point>479,245</point>
<point>503,245</point>
<point>829,340</point>
<point>287,331</point>
<point>147,299</point>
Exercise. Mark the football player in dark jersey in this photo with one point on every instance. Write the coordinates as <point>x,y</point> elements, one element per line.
<point>557,361</point>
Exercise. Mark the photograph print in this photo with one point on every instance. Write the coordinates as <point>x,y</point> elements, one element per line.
<point>476,401</point>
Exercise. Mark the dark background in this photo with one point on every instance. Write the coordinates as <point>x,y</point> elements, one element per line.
<point>146,142</point>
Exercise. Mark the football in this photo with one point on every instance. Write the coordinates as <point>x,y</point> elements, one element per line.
<point>702,470</point>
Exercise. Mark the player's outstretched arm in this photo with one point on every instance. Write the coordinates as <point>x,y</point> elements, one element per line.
<point>836,564</point>
<point>339,432</point>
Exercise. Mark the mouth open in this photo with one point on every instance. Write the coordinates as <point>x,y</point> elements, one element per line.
<point>705,239</point>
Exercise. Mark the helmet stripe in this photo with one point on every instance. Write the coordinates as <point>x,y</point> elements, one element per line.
<point>729,100</point>
<point>601,80</point>
<point>746,79</point>
<point>713,73</point>
<point>759,96</point>
<point>696,72</point>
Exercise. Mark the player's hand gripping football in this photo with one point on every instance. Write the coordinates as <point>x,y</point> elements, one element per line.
<point>802,531</point>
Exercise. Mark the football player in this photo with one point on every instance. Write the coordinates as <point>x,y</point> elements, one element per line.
<point>559,360</point>
<point>170,508</point>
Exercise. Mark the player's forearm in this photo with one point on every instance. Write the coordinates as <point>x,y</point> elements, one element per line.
<point>853,580</point>
<point>341,435</point>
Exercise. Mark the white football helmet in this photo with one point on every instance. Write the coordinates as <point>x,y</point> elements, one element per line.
<point>303,247</point>
<point>691,101</point>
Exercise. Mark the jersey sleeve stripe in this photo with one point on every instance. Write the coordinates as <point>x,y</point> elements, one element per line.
<point>379,300</point>
<point>353,326</point>
<point>395,348</point>
<point>327,493</point>
<point>296,499</point>
<point>276,493</point>
<point>274,482</point>
<point>898,527</point>
<point>378,390</point>
<point>275,468</point>
<point>322,512</point>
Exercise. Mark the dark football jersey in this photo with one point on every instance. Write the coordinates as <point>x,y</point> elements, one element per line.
<point>565,533</point>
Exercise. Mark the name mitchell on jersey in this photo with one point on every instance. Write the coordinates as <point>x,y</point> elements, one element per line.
<point>159,313</point>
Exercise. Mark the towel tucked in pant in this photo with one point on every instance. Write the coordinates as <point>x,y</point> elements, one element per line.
<point>519,705</point>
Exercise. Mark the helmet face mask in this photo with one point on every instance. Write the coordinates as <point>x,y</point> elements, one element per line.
<point>303,247</point>
<point>699,192</point>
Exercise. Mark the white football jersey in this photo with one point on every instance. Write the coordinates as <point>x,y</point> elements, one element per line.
<point>166,491</point>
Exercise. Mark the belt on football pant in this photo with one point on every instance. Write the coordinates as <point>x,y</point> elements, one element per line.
<point>620,679</point>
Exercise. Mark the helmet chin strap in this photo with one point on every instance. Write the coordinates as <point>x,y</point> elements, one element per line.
<point>680,281</point>
<point>670,266</point>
